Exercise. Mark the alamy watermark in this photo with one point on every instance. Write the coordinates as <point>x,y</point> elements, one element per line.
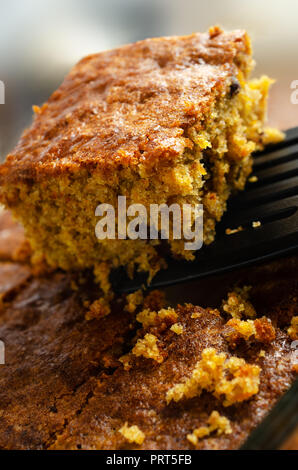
<point>2,353</point>
<point>294,94</point>
<point>2,92</point>
<point>175,222</point>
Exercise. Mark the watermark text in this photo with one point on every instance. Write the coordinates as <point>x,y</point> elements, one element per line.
<point>174,222</point>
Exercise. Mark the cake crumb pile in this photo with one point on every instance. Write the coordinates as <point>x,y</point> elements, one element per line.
<point>148,347</point>
<point>215,423</point>
<point>132,434</point>
<point>211,374</point>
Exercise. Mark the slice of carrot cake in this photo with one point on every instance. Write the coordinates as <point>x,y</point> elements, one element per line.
<point>171,120</point>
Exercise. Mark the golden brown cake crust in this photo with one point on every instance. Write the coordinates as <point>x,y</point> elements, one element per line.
<point>129,105</point>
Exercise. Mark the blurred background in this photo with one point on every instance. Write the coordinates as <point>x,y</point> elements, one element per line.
<point>41,40</point>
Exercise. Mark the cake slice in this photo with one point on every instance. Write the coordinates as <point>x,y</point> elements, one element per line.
<point>163,121</point>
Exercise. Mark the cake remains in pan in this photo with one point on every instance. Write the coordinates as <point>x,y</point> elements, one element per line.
<point>147,376</point>
<point>163,121</point>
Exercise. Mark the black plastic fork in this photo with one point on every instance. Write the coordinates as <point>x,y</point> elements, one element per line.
<point>267,211</point>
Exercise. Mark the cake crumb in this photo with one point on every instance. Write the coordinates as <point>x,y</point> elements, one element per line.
<point>147,347</point>
<point>230,231</point>
<point>177,328</point>
<point>293,329</point>
<point>39,109</point>
<point>272,136</point>
<point>150,318</point>
<point>133,301</point>
<point>155,300</point>
<point>238,305</point>
<point>233,378</point>
<point>260,329</point>
<point>214,31</point>
<point>102,273</point>
<point>253,179</point>
<point>36,109</point>
<point>146,317</point>
<point>214,311</point>
<point>196,314</point>
<point>256,224</point>
<point>98,309</point>
<point>238,329</point>
<point>215,422</point>
<point>265,331</point>
<point>168,314</point>
<point>132,434</point>
<point>125,360</point>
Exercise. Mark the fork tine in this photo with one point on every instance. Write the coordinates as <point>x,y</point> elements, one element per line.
<point>275,173</point>
<point>261,212</point>
<point>262,194</point>
<point>291,136</point>
<point>275,157</point>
